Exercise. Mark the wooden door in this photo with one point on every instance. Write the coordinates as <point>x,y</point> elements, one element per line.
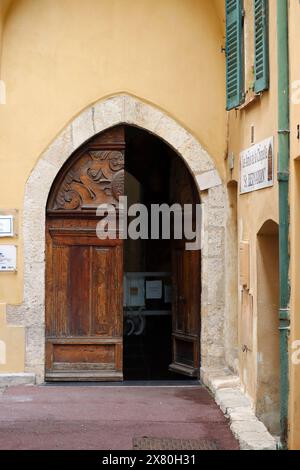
<point>84,274</point>
<point>186,311</point>
<point>186,279</point>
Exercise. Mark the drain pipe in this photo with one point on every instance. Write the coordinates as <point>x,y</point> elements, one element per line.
<point>283,184</point>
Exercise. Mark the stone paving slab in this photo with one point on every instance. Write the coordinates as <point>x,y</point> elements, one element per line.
<point>251,433</point>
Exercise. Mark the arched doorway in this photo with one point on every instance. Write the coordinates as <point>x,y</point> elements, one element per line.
<point>268,363</point>
<point>109,319</point>
<point>215,274</point>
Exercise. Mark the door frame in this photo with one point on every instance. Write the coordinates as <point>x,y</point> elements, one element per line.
<point>123,109</point>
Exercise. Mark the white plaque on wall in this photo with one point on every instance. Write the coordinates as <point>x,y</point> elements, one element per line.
<point>257,166</point>
<point>8,258</point>
<point>6,225</point>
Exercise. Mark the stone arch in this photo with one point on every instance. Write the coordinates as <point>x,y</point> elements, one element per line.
<point>269,227</point>
<point>96,118</point>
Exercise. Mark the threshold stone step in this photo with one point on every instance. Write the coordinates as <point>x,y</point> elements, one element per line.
<point>21,378</point>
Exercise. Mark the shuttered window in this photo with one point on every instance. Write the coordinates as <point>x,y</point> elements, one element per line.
<point>234,53</point>
<point>261,46</point>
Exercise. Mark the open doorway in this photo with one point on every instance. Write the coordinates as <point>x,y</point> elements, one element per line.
<point>154,174</point>
<point>120,309</point>
<point>268,364</point>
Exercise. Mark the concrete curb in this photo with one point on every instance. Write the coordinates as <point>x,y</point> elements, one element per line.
<point>251,433</point>
<point>22,378</point>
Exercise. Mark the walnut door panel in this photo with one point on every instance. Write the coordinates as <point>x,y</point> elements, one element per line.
<point>84,307</point>
<point>186,273</point>
<point>84,275</point>
<point>186,311</point>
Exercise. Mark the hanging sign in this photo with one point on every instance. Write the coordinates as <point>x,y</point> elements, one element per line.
<point>257,166</point>
<point>8,258</point>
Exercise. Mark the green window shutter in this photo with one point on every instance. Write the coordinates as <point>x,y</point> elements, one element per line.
<point>234,53</point>
<point>261,46</point>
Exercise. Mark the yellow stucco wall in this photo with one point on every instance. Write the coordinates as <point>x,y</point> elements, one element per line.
<point>257,207</point>
<point>59,57</point>
<point>4,5</point>
<point>12,341</point>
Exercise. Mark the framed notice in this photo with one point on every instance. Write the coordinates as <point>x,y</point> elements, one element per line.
<point>8,258</point>
<point>6,225</point>
<point>153,289</point>
<point>257,166</point>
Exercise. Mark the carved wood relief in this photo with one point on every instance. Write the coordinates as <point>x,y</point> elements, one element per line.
<point>97,177</point>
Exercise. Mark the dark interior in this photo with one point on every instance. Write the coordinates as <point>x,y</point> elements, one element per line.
<point>148,354</point>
